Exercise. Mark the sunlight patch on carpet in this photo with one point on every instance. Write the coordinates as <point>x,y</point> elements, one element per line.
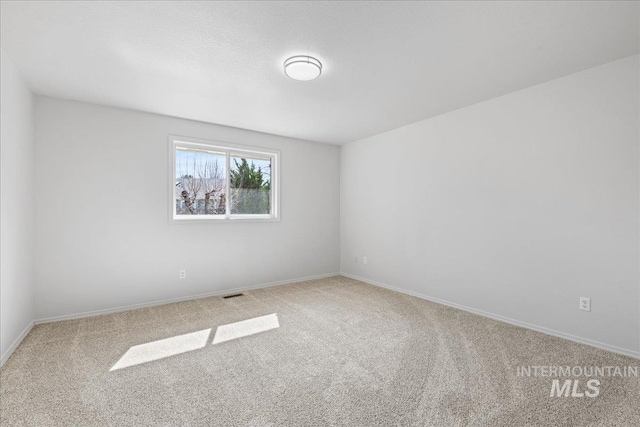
<point>245,328</point>
<point>161,349</point>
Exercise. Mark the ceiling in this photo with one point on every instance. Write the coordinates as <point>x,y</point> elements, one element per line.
<point>386,64</point>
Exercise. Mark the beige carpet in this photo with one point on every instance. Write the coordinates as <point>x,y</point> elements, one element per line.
<point>336,352</point>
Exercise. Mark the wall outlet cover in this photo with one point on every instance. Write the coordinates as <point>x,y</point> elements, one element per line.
<point>585,304</point>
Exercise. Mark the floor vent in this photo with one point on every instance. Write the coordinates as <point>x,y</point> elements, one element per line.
<point>233,296</point>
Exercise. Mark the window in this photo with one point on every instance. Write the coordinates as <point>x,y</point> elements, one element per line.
<point>221,181</point>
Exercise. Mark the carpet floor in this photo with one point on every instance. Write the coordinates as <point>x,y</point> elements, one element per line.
<point>334,352</point>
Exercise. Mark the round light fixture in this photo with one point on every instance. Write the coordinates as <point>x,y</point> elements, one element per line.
<point>302,67</point>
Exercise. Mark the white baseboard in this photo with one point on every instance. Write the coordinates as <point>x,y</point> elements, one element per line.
<point>574,338</point>
<point>168,301</point>
<point>7,354</point>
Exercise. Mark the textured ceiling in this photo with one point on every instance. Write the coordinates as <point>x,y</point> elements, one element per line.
<point>386,64</point>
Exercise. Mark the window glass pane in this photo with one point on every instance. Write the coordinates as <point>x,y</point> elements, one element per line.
<point>250,179</point>
<point>200,182</point>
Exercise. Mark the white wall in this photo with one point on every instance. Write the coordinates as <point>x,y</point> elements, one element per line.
<point>104,238</point>
<point>516,206</point>
<point>16,201</point>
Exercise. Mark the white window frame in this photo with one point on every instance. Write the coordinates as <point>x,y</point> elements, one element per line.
<point>229,150</point>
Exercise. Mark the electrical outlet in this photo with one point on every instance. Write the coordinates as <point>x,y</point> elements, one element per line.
<point>183,274</point>
<point>364,260</point>
<point>585,304</point>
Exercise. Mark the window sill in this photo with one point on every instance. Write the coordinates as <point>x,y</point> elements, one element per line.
<point>222,219</point>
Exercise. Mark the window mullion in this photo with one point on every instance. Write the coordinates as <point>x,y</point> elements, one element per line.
<point>228,190</point>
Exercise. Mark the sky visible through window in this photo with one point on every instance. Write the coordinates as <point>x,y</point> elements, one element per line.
<point>190,162</point>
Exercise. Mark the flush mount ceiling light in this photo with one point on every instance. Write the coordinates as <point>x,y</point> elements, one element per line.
<point>302,67</point>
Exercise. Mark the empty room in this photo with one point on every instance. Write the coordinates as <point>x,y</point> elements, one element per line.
<point>319,213</point>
